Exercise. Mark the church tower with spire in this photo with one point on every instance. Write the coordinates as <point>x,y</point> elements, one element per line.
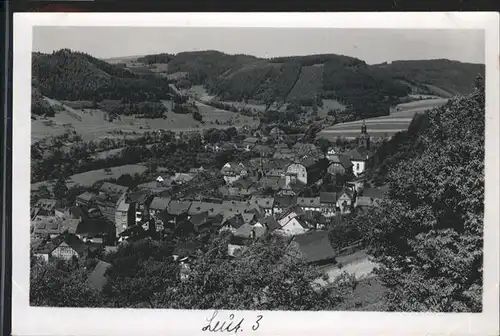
<point>364,138</point>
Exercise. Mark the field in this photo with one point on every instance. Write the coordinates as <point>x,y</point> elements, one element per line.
<point>93,176</point>
<point>329,104</point>
<point>211,115</point>
<point>383,126</point>
<point>92,124</point>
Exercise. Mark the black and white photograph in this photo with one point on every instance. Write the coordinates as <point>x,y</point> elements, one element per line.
<point>221,169</point>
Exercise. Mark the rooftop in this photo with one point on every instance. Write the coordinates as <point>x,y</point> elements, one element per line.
<point>160,203</point>
<point>315,246</point>
<point>309,201</point>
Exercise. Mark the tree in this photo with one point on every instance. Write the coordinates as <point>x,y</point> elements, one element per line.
<point>126,180</point>
<point>60,285</point>
<point>323,144</point>
<point>60,189</point>
<point>197,116</point>
<point>429,235</point>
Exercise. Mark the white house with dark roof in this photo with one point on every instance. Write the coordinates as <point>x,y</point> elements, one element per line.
<point>361,159</point>
<point>293,227</point>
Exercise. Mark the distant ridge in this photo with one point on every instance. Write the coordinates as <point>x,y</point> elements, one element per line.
<point>365,90</point>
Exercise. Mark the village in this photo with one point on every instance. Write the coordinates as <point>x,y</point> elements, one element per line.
<point>262,196</point>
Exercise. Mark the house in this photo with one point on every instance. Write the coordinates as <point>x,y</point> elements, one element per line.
<point>316,169</point>
<point>244,236</point>
<point>263,150</point>
<point>315,247</point>
<point>286,216</point>
<point>272,183</point>
<point>233,172</point>
<point>264,202</point>
<point>94,229</point>
<point>178,208</point>
<point>371,197</point>
<point>361,159</point>
<point>97,278</point>
<point>309,204</point>
<point>158,204</point>
<point>339,164</point>
<point>181,178</point>
<point>275,172</point>
<point>237,207</point>
<point>85,199</point>
<point>307,170</point>
<point>112,190</point>
<point>356,184</point>
<point>213,209</point>
<point>65,246</point>
<point>106,206</point>
<point>328,203</point>
<point>250,142</point>
<point>133,233</point>
<point>364,202</point>
<point>142,199</point>
<point>284,153</point>
<point>294,226</point>
<point>249,217</point>
<point>283,202</point>
<point>267,222</point>
<point>171,218</point>
<point>331,153</point>
<point>294,188</point>
<point>124,215</point>
<point>201,221</point>
<point>297,171</point>
<point>47,226</point>
<point>44,207</point>
<point>232,223</point>
<point>345,200</point>
<point>301,149</point>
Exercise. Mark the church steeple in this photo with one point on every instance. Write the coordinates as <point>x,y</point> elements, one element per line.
<point>364,138</point>
<point>363,127</point>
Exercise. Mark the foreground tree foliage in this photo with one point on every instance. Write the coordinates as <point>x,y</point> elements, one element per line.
<point>429,235</point>
<point>61,284</point>
<point>269,275</point>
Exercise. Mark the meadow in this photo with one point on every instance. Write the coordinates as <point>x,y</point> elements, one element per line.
<point>87,179</point>
<point>397,121</point>
<point>93,124</point>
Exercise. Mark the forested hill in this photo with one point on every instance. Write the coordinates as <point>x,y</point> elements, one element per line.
<point>367,89</point>
<point>441,77</point>
<point>429,235</point>
<point>70,75</point>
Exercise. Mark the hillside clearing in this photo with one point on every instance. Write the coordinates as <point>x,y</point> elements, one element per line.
<point>383,126</point>
<point>309,83</point>
<point>92,124</point>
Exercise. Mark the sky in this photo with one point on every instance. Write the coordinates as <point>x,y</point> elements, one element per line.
<point>371,45</point>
